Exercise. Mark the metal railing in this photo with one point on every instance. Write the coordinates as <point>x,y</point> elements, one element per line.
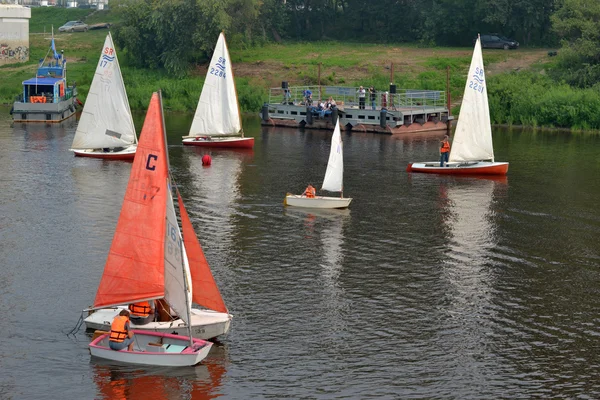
<point>349,97</point>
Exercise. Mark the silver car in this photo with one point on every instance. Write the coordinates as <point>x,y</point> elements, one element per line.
<point>73,26</point>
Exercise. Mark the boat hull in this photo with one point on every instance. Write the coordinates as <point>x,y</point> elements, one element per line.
<point>222,142</point>
<point>296,200</point>
<point>166,350</point>
<point>43,112</point>
<point>206,324</point>
<point>471,168</point>
<point>125,154</point>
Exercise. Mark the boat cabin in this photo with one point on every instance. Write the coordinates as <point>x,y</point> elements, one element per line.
<point>49,85</point>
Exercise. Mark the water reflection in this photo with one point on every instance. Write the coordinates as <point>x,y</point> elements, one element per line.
<point>120,381</point>
<point>469,222</point>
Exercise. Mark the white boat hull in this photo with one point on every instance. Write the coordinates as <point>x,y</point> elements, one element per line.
<point>127,153</point>
<point>206,324</point>
<point>296,200</point>
<point>167,350</point>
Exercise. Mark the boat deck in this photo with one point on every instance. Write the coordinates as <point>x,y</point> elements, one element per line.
<point>407,111</point>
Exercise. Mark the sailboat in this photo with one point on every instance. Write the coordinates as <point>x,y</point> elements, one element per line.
<point>148,258</point>
<point>333,182</point>
<point>217,122</point>
<point>472,151</point>
<point>106,129</point>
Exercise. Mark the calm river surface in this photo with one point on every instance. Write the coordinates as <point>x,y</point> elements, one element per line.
<point>427,287</point>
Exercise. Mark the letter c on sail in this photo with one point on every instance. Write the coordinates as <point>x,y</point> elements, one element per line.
<point>151,157</point>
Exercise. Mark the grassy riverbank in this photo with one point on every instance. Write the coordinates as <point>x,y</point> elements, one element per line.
<point>512,94</point>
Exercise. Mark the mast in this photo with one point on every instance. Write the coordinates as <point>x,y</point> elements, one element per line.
<point>185,278</point>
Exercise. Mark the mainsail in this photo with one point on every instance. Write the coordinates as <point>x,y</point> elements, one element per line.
<point>134,269</point>
<point>334,175</point>
<point>218,112</point>
<point>205,292</point>
<point>106,120</point>
<point>473,135</point>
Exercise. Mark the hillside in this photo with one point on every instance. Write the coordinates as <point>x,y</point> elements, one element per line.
<point>257,69</point>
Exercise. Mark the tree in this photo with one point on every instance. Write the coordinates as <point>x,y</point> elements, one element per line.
<point>578,23</point>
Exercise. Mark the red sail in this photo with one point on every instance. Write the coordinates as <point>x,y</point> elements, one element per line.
<point>204,288</point>
<point>135,266</point>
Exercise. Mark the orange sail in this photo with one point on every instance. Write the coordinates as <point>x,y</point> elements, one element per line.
<point>204,288</point>
<point>134,269</point>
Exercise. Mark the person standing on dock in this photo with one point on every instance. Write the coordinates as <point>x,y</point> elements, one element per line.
<point>373,96</point>
<point>444,151</point>
<point>361,97</point>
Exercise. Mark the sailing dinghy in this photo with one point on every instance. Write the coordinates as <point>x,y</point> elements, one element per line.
<point>472,151</point>
<point>148,258</point>
<point>333,182</point>
<point>106,129</point>
<point>217,121</point>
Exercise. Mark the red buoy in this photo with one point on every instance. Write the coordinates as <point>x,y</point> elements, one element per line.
<point>206,160</point>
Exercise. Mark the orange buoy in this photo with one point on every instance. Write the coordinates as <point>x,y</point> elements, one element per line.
<point>206,160</point>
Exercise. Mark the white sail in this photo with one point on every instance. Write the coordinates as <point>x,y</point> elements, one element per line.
<point>334,176</point>
<point>177,292</point>
<point>473,135</point>
<point>217,112</point>
<point>106,120</point>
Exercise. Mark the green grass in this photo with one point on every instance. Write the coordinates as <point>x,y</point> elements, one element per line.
<point>515,98</point>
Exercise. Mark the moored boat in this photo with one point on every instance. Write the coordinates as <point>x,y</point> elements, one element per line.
<point>46,97</point>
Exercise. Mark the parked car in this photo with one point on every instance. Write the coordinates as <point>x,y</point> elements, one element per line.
<point>74,26</point>
<point>495,41</point>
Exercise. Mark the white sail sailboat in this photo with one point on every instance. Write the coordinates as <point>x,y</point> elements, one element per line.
<point>217,122</point>
<point>333,182</point>
<point>472,151</point>
<point>106,129</point>
<point>148,258</point>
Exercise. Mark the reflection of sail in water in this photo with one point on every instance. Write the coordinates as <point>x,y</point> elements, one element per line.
<point>468,267</point>
<point>199,383</point>
<point>217,190</point>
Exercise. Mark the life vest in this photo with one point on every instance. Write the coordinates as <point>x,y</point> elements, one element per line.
<point>118,332</point>
<point>141,309</point>
<point>310,191</point>
<point>445,147</point>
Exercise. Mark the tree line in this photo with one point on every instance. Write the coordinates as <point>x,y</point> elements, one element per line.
<point>176,34</point>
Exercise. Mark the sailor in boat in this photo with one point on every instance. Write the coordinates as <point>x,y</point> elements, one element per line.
<point>444,151</point>
<point>310,191</point>
<point>142,312</point>
<point>120,334</point>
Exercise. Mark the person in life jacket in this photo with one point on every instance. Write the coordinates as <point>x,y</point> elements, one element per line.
<point>444,151</point>
<point>120,334</point>
<point>309,191</point>
<point>142,312</point>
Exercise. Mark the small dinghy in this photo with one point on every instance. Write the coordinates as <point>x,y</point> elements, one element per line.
<point>151,348</point>
<point>147,259</point>
<point>105,129</point>
<point>472,151</point>
<point>333,181</point>
<point>217,121</point>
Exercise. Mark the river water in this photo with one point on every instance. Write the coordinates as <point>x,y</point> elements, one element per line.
<point>426,287</point>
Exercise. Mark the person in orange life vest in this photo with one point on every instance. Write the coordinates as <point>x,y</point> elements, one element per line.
<point>309,191</point>
<point>120,335</point>
<point>142,312</point>
<point>444,151</point>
